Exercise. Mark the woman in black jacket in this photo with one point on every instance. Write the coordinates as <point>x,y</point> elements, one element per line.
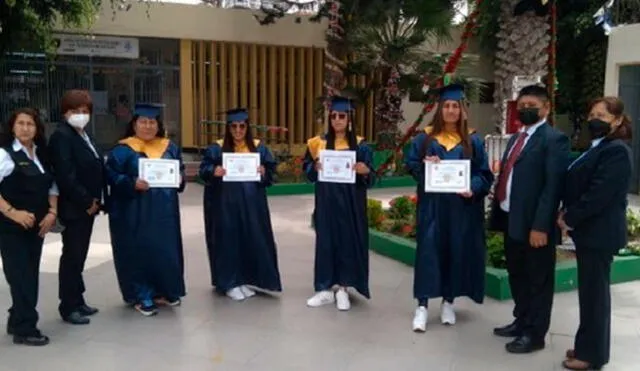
<point>28,207</point>
<point>594,214</point>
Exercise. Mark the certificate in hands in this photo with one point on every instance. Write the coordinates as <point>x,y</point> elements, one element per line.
<point>447,176</point>
<point>337,166</point>
<point>160,173</point>
<point>241,167</point>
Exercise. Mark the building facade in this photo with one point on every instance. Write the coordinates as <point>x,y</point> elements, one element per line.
<point>196,60</point>
<point>622,79</point>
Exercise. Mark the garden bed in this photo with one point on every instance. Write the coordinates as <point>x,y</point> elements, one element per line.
<point>392,234</point>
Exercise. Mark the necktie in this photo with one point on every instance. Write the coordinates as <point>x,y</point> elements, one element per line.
<point>501,192</point>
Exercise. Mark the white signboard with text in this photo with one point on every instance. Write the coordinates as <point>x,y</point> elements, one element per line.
<point>99,46</point>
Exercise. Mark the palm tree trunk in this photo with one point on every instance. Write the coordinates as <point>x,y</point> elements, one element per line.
<point>522,51</point>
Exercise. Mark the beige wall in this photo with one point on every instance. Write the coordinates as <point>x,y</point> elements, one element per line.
<point>202,22</point>
<point>624,49</point>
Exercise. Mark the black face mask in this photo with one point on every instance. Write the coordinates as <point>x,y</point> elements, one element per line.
<point>529,116</point>
<point>598,128</point>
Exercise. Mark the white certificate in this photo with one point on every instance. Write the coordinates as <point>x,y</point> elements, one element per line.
<point>241,167</point>
<point>447,176</point>
<point>160,173</point>
<point>337,166</point>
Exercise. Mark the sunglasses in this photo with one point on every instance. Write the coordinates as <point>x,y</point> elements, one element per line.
<point>337,115</point>
<point>238,126</point>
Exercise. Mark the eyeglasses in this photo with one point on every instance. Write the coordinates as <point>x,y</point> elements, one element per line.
<point>340,116</point>
<point>238,126</point>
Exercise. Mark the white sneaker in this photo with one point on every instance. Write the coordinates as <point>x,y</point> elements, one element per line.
<point>236,294</point>
<point>321,298</point>
<point>342,300</point>
<point>447,314</point>
<point>420,319</point>
<point>246,291</point>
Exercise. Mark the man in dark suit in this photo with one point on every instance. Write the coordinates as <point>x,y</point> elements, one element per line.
<point>525,207</point>
<point>79,173</point>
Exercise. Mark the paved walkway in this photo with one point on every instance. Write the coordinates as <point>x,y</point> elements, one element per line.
<point>212,333</point>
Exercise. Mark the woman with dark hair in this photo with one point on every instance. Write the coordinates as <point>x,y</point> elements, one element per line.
<point>145,222</point>
<point>594,214</point>
<point>28,203</point>
<point>79,172</point>
<point>340,216</point>
<point>450,256</point>
<point>245,250</point>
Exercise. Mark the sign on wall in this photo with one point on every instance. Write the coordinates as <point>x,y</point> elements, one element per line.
<point>99,46</point>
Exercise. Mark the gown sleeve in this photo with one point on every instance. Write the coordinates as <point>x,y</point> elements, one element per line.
<point>211,159</point>
<point>269,163</point>
<point>365,154</point>
<point>481,175</point>
<point>119,175</point>
<point>414,160</point>
<point>309,167</point>
<point>176,153</point>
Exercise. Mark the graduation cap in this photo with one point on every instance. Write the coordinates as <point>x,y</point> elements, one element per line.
<point>341,104</point>
<point>149,110</point>
<point>235,114</point>
<point>449,92</point>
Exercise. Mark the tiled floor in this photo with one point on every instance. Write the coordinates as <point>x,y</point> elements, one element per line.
<point>212,333</point>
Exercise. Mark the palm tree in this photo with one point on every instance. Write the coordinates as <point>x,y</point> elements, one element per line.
<point>398,52</point>
<point>522,50</point>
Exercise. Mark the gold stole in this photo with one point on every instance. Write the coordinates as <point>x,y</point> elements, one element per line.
<point>154,148</point>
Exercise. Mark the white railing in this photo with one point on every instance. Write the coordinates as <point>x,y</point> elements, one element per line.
<point>305,7</point>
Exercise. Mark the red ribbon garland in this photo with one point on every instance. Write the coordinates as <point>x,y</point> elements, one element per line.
<point>450,67</point>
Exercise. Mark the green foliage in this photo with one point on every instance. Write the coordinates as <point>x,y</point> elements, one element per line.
<point>495,250</point>
<point>375,213</point>
<point>402,208</point>
<point>633,225</point>
<point>29,25</point>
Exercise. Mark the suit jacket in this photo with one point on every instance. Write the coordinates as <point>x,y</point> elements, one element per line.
<point>595,197</point>
<point>536,186</point>
<point>80,176</point>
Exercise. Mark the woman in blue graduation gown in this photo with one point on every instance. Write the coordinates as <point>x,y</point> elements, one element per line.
<point>450,256</point>
<point>144,221</point>
<point>245,250</point>
<point>340,216</point>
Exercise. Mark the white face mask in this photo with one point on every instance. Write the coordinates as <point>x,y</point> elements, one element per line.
<point>79,120</point>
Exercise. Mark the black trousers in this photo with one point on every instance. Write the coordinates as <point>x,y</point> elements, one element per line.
<point>21,252</point>
<point>75,246</point>
<point>531,278</point>
<point>592,343</point>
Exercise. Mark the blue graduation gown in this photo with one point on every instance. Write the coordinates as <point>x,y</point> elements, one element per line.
<point>238,224</point>
<point>145,230</point>
<point>451,251</point>
<point>341,225</point>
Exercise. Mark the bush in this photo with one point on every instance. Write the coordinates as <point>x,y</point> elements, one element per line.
<point>402,208</point>
<point>375,213</point>
<point>495,250</point>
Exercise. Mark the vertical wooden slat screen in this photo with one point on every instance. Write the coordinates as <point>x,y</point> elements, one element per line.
<point>278,84</point>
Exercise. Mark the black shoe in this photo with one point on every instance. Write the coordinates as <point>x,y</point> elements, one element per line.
<point>524,344</point>
<point>76,318</point>
<point>509,331</point>
<point>36,340</point>
<point>86,310</point>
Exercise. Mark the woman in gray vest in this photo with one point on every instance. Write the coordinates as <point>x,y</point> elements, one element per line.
<point>28,206</point>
